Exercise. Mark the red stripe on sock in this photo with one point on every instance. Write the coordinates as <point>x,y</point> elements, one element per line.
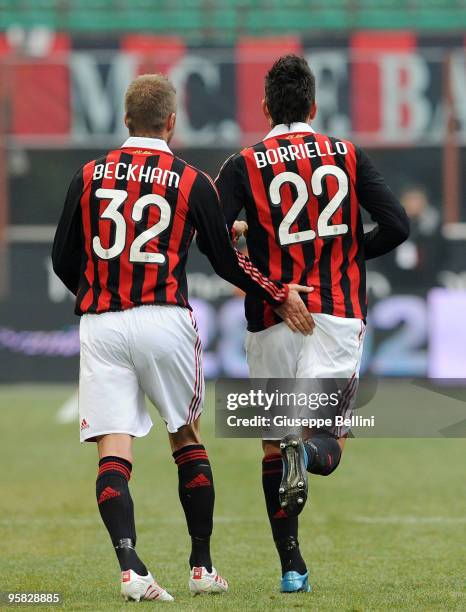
<point>192,456</point>
<point>115,467</point>
<point>274,457</point>
<point>191,460</point>
<point>115,464</point>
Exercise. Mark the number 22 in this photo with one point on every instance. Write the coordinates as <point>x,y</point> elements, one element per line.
<point>286,237</point>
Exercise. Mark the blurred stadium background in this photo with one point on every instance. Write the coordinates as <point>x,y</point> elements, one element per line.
<point>390,74</point>
<point>385,532</point>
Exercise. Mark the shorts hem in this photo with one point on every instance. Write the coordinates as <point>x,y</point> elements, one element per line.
<point>172,429</point>
<point>91,437</point>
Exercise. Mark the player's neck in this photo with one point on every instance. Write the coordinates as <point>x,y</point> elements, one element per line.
<point>154,135</point>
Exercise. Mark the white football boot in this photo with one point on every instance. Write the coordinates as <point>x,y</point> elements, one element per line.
<point>201,582</point>
<point>137,588</point>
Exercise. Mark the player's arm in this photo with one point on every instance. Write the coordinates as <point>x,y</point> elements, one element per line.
<point>214,241</point>
<point>68,243</point>
<point>230,190</point>
<point>384,208</point>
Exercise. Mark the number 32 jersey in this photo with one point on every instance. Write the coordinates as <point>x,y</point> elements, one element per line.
<point>302,193</point>
<point>126,227</point>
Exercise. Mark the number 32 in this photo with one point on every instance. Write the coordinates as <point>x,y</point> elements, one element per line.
<point>117,198</point>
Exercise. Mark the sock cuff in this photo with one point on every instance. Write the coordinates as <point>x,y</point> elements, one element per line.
<point>119,465</point>
<point>272,465</point>
<point>190,453</point>
<point>271,459</point>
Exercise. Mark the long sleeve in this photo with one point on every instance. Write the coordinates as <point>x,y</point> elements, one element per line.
<point>214,241</point>
<point>68,244</point>
<point>229,188</point>
<point>384,208</point>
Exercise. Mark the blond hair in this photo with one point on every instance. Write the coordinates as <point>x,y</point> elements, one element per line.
<point>149,100</point>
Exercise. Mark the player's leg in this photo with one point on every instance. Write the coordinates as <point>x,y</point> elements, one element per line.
<point>117,511</point>
<point>114,498</point>
<point>323,452</point>
<point>331,356</point>
<point>196,490</point>
<point>266,361</point>
<point>315,452</point>
<point>170,372</point>
<point>337,355</point>
<point>197,497</point>
<point>284,528</point>
<point>112,412</point>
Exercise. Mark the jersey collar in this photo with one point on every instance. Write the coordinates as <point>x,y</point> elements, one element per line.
<point>282,128</point>
<point>139,142</point>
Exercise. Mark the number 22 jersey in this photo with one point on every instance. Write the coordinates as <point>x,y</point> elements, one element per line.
<point>302,192</point>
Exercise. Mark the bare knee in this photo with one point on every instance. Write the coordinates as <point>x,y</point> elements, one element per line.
<point>186,435</point>
<point>115,445</point>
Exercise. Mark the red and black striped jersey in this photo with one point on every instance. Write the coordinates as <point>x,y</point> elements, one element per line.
<point>302,193</point>
<point>126,227</point>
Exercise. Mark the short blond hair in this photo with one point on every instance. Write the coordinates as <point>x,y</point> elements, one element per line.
<point>149,100</point>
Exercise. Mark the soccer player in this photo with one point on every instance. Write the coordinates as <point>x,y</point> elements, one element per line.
<point>121,247</point>
<point>302,192</point>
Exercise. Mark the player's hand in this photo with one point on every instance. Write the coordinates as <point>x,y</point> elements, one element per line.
<point>240,228</point>
<point>295,313</point>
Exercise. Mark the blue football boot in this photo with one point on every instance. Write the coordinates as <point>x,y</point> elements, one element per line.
<point>292,582</point>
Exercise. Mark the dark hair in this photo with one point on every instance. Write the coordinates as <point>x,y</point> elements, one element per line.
<point>290,89</point>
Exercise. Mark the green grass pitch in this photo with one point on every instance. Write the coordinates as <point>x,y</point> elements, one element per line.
<point>387,531</point>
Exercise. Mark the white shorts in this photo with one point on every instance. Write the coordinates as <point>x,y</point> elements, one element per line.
<point>333,351</point>
<point>147,350</point>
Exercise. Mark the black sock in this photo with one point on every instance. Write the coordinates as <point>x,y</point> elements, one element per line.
<point>284,528</point>
<point>128,558</point>
<point>197,496</point>
<point>117,511</point>
<point>323,453</point>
